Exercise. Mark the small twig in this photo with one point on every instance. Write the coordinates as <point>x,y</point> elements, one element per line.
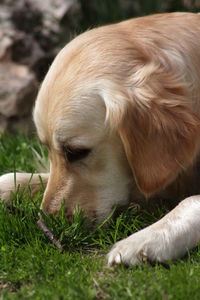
<point>49,234</point>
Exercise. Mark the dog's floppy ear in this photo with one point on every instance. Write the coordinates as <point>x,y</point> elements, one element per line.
<point>159,132</point>
<point>159,142</point>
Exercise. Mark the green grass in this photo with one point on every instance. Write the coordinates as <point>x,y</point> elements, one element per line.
<point>32,268</point>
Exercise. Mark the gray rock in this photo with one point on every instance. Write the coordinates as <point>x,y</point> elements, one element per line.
<point>18,89</point>
<point>31,34</point>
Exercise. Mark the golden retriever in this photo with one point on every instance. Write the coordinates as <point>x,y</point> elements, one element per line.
<point>119,111</point>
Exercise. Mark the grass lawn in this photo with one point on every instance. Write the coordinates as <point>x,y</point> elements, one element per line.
<point>32,268</point>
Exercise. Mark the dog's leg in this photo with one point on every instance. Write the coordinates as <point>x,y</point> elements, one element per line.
<point>11,182</point>
<point>167,239</point>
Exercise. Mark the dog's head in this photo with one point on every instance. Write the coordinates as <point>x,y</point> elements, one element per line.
<point>113,115</point>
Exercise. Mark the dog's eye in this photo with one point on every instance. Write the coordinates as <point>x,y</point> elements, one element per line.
<point>74,154</point>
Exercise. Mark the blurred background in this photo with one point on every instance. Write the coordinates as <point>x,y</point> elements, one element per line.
<point>33,31</point>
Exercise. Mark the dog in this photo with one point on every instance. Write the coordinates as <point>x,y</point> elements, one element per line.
<point>119,111</point>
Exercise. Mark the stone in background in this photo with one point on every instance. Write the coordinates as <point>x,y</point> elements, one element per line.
<point>30,36</point>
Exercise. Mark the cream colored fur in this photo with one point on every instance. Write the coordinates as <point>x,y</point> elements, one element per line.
<point>130,93</point>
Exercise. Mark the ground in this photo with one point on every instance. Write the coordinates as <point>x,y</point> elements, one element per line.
<point>32,268</point>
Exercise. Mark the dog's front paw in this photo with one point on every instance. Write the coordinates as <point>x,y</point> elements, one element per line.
<point>6,186</point>
<point>145,245</point>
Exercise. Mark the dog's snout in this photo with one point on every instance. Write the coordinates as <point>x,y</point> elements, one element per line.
<point>47,209</point>
<point>49,205</point>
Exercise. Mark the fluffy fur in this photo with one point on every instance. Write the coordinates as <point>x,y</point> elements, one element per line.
<point>130,92</point>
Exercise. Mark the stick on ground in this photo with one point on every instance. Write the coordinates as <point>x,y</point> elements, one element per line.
<point>49,234</point>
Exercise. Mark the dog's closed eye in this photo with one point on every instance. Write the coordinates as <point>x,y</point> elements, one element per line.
<point>75,154</point>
